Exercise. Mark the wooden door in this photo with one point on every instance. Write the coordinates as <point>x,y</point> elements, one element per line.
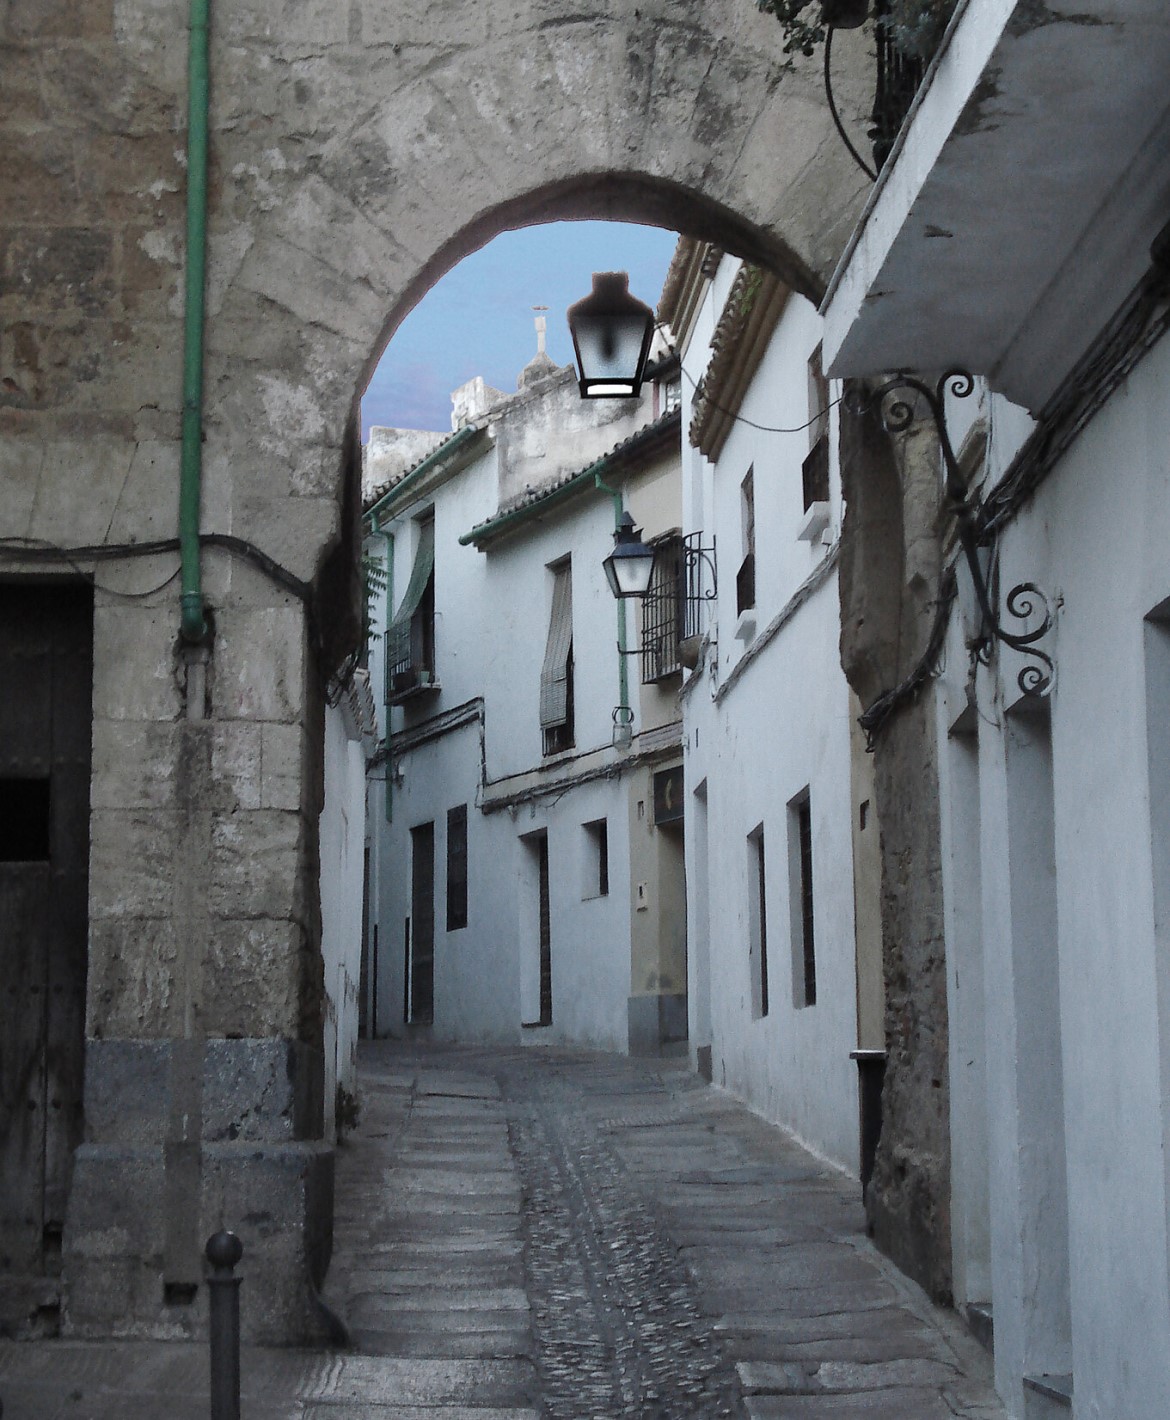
<point>545,934</point>
<point>46,671</point>
<point>422,928</point>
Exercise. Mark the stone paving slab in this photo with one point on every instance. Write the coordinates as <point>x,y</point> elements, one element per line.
<point>550,1235</point>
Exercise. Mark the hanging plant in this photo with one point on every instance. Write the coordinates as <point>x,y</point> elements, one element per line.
<point>915,26</point>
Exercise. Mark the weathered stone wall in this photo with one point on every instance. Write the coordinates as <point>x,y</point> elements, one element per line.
<point>357,151</point>
<point>890,565</point>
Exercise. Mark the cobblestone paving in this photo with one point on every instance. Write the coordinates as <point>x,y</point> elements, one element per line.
<point>549,1235</point>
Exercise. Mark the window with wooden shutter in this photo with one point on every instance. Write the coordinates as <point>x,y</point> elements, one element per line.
<point>410,637</point>
<point>556,674</point>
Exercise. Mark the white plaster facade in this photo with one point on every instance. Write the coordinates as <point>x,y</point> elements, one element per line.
<point>1055,831</point>
<point>350,731</point>
<point>767,727</point>
<point>475,739</point>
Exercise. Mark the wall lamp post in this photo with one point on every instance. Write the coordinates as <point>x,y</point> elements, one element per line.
<point>630,566</point>
<point>611,333</point>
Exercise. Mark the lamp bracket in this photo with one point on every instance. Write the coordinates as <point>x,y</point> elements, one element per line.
<point>1023,601</point>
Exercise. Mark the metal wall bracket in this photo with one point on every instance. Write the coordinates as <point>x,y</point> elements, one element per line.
<point>1025,600</point>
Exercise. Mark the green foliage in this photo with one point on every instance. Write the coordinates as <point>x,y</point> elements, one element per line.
<point>916,25</point>
<point>373,585</point>
<point>801,22</point>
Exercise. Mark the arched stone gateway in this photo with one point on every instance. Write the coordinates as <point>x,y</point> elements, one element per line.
<point>358,150</point>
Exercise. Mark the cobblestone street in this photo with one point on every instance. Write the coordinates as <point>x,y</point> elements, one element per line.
<point>526,1234</point>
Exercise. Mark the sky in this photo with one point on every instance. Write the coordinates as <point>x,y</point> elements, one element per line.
<point>478,319</point>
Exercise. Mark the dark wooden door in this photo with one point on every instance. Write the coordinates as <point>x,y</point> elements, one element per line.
<point>422,928</point>
<point>46,672</point>
<point>545,934</point>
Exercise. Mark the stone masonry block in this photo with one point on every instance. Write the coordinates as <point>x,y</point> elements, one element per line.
<point>250,977</point>
<point>279,1200</point>
<point>259,664</point>
<point>236,749</point>
<point>131,862</point>
<point>260,1090</point>
<point>133,976</point>
<point>134,665</point>
<point>253,864</point>
<point>281,750</point>
<point>134,765</point>
<point>78,490</point>
<point>127,1094</point>
<point>22,471</point>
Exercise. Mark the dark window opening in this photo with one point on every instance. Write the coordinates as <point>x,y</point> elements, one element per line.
<point>808,946</point>
<point>596,876</point>
<point>24,820</point>
<point>457,868</point>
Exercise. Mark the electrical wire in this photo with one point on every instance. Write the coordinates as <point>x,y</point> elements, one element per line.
<point>30,549</point>
<point>751,424</point>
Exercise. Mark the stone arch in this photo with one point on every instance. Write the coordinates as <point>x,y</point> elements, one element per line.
<point>398,138</point>
<point>359,148</point>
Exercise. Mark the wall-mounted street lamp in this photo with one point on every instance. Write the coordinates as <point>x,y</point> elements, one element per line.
<point>630,566</point>
<point>611,333</point>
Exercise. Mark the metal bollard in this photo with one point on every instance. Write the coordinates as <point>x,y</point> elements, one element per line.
<point>224,1250</point>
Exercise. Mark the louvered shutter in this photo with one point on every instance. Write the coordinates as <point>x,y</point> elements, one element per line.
<point>554,674</point>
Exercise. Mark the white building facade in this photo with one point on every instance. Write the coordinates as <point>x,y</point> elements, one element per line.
<point>523,889</point>
<point>785,963</point>
<point>1055,833</point>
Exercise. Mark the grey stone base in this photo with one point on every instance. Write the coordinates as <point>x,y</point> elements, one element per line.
<point>185,1138</point>
<point>656,1021</point>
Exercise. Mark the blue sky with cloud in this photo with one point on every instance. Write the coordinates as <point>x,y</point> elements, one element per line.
<point>478,320</point>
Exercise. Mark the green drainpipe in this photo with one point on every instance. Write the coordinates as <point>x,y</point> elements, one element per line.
<point>194,627</point>
<point>389,709</point>
<point>623,670</point>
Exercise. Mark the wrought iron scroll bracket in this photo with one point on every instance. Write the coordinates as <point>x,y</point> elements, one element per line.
<point>1025,600</point>
<point>696,556</point>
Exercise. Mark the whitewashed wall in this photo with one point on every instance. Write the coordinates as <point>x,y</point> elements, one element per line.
<point>1068,1226</point>
<point>342,830</point>
<point>492,618</point>
<point>752,747</point>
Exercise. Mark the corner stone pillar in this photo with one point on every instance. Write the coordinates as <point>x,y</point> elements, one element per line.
<point>890,565</point>
<point>203,1079</point>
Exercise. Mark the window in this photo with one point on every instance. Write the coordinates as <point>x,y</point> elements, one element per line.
<point>556,674</point>
<point>815,469</point>
<point>596,881</point>
<point>457,868</point>
<point>410,637</point>
<point>758,922</point>
<point>804,962</point>
<point>745,579</point>
<point>662,612</point>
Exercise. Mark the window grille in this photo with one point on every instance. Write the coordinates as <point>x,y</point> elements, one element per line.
<point>899,76</point>
<point>695,571</point>
<point>662,612</point>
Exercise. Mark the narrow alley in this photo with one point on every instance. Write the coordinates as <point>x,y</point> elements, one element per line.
<point>568,1236</point>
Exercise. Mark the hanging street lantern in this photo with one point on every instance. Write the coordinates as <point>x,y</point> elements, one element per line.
<point>611,333</point>
<point>630,565</point>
